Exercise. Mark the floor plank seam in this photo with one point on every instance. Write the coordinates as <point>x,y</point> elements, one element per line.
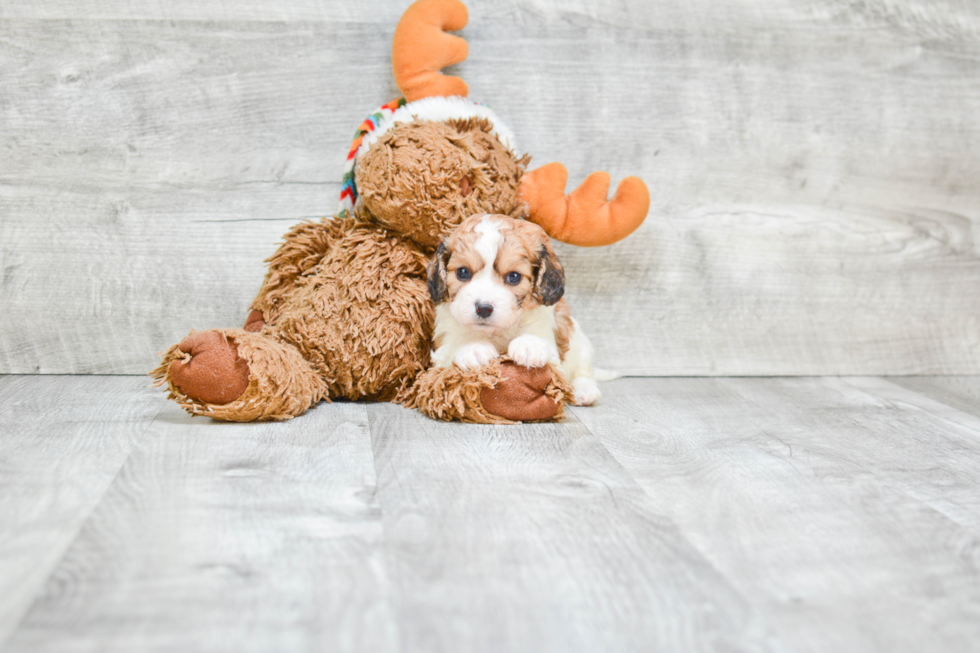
<point>884,480</point>
<point>83,522</point>
<point>386,554</point>
<point>970,422</point>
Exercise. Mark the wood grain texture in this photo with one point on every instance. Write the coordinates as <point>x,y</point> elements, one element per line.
<point>959,392</point>
<point>63,440</point>
<point>535,539</point>
<point>812,168</point>
<point>227,537</point>
<point>336,11</point>
<point>685,514</point>
<point>847,518</point>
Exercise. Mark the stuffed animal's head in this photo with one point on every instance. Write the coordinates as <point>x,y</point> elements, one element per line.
<point>420,178</point>
<point>420,165</point>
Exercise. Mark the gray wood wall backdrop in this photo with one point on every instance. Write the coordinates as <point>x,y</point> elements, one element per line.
<point>814,166</point>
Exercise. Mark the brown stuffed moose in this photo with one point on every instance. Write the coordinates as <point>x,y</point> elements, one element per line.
<point>344,311</point>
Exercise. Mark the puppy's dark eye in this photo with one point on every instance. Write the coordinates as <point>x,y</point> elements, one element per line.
<point>513,278</point>
<point>463,274</point>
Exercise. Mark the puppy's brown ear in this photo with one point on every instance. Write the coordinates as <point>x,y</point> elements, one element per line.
<point>436,274</point>
<point>549,283</point>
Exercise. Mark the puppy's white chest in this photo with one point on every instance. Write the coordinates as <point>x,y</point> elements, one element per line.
<point>531,342</point>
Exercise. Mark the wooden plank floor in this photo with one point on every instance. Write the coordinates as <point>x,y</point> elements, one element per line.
<point>683,514</point>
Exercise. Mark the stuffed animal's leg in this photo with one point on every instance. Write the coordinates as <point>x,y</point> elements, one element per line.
<point>237,376</point>
<point>501,392</point>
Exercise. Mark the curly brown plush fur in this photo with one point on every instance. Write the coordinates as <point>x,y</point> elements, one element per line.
<point>458,168</point>
<point>499,393</point>
<point>344,310</point>
<point>362,319</point>
<point>281,384</point>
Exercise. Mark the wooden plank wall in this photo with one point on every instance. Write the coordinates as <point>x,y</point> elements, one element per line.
<point>814,167</point>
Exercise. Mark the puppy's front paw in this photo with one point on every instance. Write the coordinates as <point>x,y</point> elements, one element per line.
<point>586,391</point>
<point>474,355</point>
<point>529,351</point>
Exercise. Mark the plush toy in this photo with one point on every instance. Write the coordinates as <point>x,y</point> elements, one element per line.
<point>344,311</point>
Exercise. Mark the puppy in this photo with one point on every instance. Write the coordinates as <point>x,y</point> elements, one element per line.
<point>497,286</point>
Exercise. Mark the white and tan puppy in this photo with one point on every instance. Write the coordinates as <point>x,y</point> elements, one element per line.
<point>497,286</point>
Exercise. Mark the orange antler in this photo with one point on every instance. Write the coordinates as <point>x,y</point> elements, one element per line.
<point>584,217</point>
<point>421,48</point>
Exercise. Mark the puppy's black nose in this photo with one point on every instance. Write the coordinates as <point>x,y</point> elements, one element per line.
<point>483,309</point>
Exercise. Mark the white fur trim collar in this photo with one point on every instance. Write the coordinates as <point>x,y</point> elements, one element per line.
<point>440,109</point>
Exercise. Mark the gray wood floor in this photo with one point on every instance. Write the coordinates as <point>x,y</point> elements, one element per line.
<point>684,514</point>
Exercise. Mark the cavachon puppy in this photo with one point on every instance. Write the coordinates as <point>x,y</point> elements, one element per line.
<point>497,286</point>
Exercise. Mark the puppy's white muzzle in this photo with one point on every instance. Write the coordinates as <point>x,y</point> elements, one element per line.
<point>485,304</point>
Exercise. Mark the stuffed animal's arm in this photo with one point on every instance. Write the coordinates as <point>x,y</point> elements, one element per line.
<point>303,247</point>
<point>501,392</point>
